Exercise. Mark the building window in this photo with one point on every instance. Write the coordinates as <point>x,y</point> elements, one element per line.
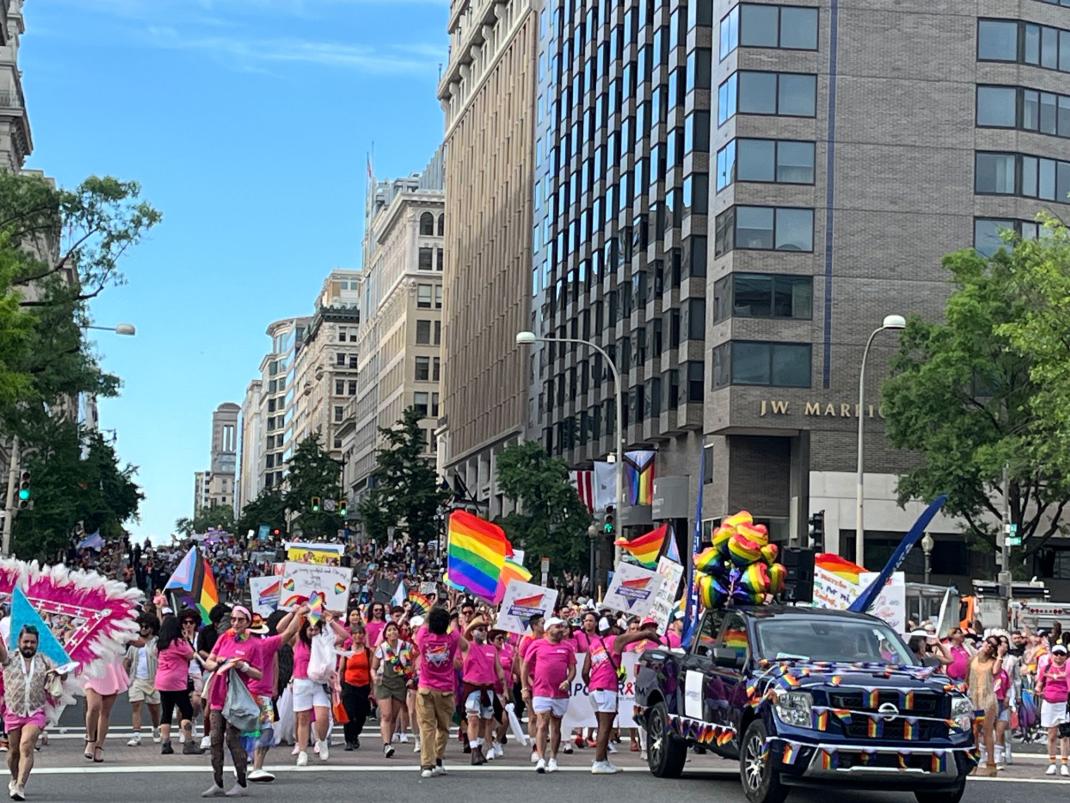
<point>426,261</point>
<point>753,25</point>
<point>423,333</point>
<point>1023,43</point>
<point>427,224</point>
<point>1024,109</point>
<point>997,106</point>
<point>1022,175</point>
<point>436,369</point>
<point>438,260</point>
<point>438,296</point>
<point>696,383</point>
<point>423,296</point>
<point>423,369</point>
<point>339,412</point>
<point>765,160</point>
<point>988,237</point>
<point>782,94</point>
<point>744,362</point>
<point>352,387</point>
<point>340,358</point>
<point>339,387</point>
<point>764,228</point>
<point>422,402</point>
<point>762,295</point>
<point>441,225</point>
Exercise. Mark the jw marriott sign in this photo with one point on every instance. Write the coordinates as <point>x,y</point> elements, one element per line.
<point>770,407</point>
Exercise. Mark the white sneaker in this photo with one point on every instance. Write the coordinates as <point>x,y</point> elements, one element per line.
<point>404,738</point>
<point>416,746</point>
<point>426,773</point>
<point>213,791</point>
<point>1064,771</point>
<point>302,759</point>
<point>237,791</point>
<point>155,735</point>
<point>440,769</point>
<point>296,750</point>
<point>134,741</point>
<point>206,743</point>
<point>642,755</point>
<point>551,765</point>
<point>1051,770</point>
<point>261,776</point>
<point>11,787</point>
<point>601,768</point>
<point>323,749</point>
<point>396,738</point>
<point>535,757</point>
<point>488,754</point>
<point>613,766</point>
<point>611,748</point>
<point>19,792</point>
<point>540,766</point>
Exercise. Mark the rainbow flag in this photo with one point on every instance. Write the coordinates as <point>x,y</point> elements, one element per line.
<point>646,548</point>
<point>476,554</point>
<point>639,477</point>
<point>841,567</point>
<point>315,608</point>
<point>419,605</point>
<point>511,570</point>
<point>205,592</point>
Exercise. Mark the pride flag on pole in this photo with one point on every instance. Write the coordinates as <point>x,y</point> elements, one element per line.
<point>646,548</point>
<point>476,554</point>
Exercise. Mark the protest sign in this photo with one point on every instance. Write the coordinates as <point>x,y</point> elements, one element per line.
<point>632,589</point>
<point>832,590</point>
<point>301,580</point>
<point>314,553</point>
<point>580,713</point>
<point>265,593</point>
<point>891,604</point>
<point>670,573</point>
<point>521,602</point>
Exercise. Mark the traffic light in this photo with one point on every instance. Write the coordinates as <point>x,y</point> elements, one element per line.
<point>25,492</point>
<point>609,526</point>
<point>817,531</point>
<point>276,532</point>
<point>316,504</point>
<point>343,508</point>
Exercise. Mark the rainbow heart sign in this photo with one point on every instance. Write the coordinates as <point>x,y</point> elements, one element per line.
<point>632,589</point>
<point>302,581</point>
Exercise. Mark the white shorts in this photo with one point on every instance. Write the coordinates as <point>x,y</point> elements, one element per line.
<point>473,708</point>
<point>1052,714</point>
<point>604,701</point>
<point>309,694</point>
<point>555,706</point>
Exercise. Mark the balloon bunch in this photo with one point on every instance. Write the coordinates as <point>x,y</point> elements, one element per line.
<point>741,565</point>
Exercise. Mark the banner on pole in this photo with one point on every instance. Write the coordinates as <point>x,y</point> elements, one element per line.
<point>632,589</point>
<point>521,602</point>
<point>302,552</point>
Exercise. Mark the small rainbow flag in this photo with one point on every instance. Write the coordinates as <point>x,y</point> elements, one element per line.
<point>910,729</point>
<point>639,477</point>
<point>339,588</point>
<point>315,608</point>
<point>874,727</point>
<point>208,595</point>
<point>646,548</point>
<point>476,554</point>
<point>908,701</point>
<point>828,760</point>
<point>902,761</point>
<point>821,720</point>
<point>873,697</point>
<point>938,762</point>
<point>790,753</point>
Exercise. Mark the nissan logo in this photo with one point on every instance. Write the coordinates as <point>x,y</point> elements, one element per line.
<point>888,711</point>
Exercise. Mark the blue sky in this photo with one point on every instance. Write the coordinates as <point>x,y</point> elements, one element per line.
<point>247,123</point>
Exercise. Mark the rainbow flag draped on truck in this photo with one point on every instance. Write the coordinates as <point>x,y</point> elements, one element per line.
<point>476,554</point>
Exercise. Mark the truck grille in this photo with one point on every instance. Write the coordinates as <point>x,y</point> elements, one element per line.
<point>925,704</point>
<point>896,730</point>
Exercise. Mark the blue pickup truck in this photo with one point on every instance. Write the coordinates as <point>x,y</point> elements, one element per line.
<point>807,697</point>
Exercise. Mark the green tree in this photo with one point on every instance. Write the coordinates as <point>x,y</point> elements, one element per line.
<point>214,517</point>
<point>313,474</point>
<point>268,508</point>
<point>406,494</point>
<point>551,520</point>
<point>964,397</point>
<point>75,478</point>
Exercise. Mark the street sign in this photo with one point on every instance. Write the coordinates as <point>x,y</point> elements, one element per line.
<point>329,505</point>
<point>1013,538</point>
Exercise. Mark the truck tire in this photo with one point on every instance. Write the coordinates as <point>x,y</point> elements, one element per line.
<point>666,752</point>
<point>761,783</point>
<point>953,796</point>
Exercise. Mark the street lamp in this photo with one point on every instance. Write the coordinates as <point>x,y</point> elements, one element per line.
<point>890,322</point>
<point>529,338</point>
<point>927,545</point>
<point>127,329</point>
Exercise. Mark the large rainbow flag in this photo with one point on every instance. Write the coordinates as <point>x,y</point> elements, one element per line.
<point>639,477</point>
<point>646,548</point>
<point>193,575</point>
<point>476,554</point>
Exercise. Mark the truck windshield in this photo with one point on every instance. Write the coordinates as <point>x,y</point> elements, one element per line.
<point>827,639</point>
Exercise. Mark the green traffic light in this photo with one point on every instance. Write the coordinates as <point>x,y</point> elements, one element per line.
<point>24,494</point>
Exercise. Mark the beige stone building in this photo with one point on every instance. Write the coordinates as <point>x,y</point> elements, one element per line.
<point>218,487</point>
<point>488,97</point>
<point>401,299</point>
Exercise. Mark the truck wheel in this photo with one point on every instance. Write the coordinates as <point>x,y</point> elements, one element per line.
<point>761,783</point>
<point>954,796</point>
<point>666,752</point>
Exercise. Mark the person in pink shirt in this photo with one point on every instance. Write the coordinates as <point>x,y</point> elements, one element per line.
<point>436,648</point>
<point>507,660</point>
<point>535,624</point>
<point>235,650</point>
<point>549,668</point>
<point>172,682</point>
<point>267,648</point>
<point>602,674</point>
<point>1053,686</point>
<point>959,667</point>
<point>373,628</point>
<point>481,674</point>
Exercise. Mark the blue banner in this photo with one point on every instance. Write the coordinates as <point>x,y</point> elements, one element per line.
<point>691,612</point>
<point>869,596</point>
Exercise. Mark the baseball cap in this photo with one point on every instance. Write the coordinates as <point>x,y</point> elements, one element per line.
<point>1058,648</point>
<point>554,620</point>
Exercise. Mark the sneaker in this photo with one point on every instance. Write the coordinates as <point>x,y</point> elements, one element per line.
<point>134,741</point>
<point>296,750</point>
<point>356,744</point>
<point>206,743</point>
<point>191,749</point>
<point>426,773</point>
<point>156,736</point>
<point>397,737</point>
<point>540,766</point>
<point>302,759</point>
<point>611,748</point>
<point>18,793</point>
<point>404,738</point>
<point>388,751</point>
<point>1051,770</point>
<point>566,748</point>
<point>440,768</point>
<point>324,750</point>
<point>535,757</point>
<point>261,776</point>
<point>551,765</point>
<point>237,791</point>
<point>167,749</point>
<point>1064,771</point>
<point>11,787</point>
<point>613,766</point>
<point>643,755</point>
<point>492,752</point>
<point>601,768</point>
<point>416,746</point>
<point>499,751</point>
<point>214,791</point>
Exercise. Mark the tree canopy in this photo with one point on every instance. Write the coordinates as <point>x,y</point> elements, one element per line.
<point>214,517</point>
<point>313,474</point>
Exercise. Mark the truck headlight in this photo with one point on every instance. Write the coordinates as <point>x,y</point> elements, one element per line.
<point>794,707</point>
<point>962,711</point>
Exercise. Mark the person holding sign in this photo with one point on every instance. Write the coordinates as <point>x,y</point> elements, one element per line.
<point>480,673</point>
<point>549,668</point>
<point>602,672</point>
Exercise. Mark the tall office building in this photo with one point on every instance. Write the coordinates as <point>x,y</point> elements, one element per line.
<point>488,97</point>
<point>253,443</point>
<point>218,486</point>
<point>400,338</point>
<point>734,197</point>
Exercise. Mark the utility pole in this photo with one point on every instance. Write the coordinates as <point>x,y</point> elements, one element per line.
<point>10,508</point>
<point>1003,541</point>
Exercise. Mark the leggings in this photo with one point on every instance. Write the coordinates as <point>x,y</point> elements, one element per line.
<point>170,700</point>
<point>355,700</point>
<point>233,738</point>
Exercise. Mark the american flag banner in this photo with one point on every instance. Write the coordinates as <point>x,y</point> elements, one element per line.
<point>583,482</point>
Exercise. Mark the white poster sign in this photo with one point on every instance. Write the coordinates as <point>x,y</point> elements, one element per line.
<point>632,590</point>
<point>833,591</point>
<point>891,604</point>
<point>580,712</point>
<point>265,593</point>
<point>301,580</point>
<point>520,602</point>
<point>670,573</point>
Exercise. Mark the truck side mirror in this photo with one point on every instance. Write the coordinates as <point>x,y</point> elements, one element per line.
<point>728,658</point>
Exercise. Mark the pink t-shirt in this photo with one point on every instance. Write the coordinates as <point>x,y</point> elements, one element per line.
<point>959,667</point>
<point>548,666</point>
<point>436,659</point>
<point>479,665</point>
<point>1001,684</point>
<point>1055,685</point>
<point>302,654</point>
<point>673,639</point>
<point>172,672</point>
<point>603,663</point>
<point>266,648</point>
<point>373,631</point>
<point>226,648</point>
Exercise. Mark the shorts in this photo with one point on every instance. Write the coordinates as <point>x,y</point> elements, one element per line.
<point>472,706</point>
<point>554,706</point>
<point>309,694</point>
<point>1052,714</point>
<point>13,721</point>
<point>143,691</point>
<point>1004,711</point>
<point>170,700</point>
<point>604,701</point>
